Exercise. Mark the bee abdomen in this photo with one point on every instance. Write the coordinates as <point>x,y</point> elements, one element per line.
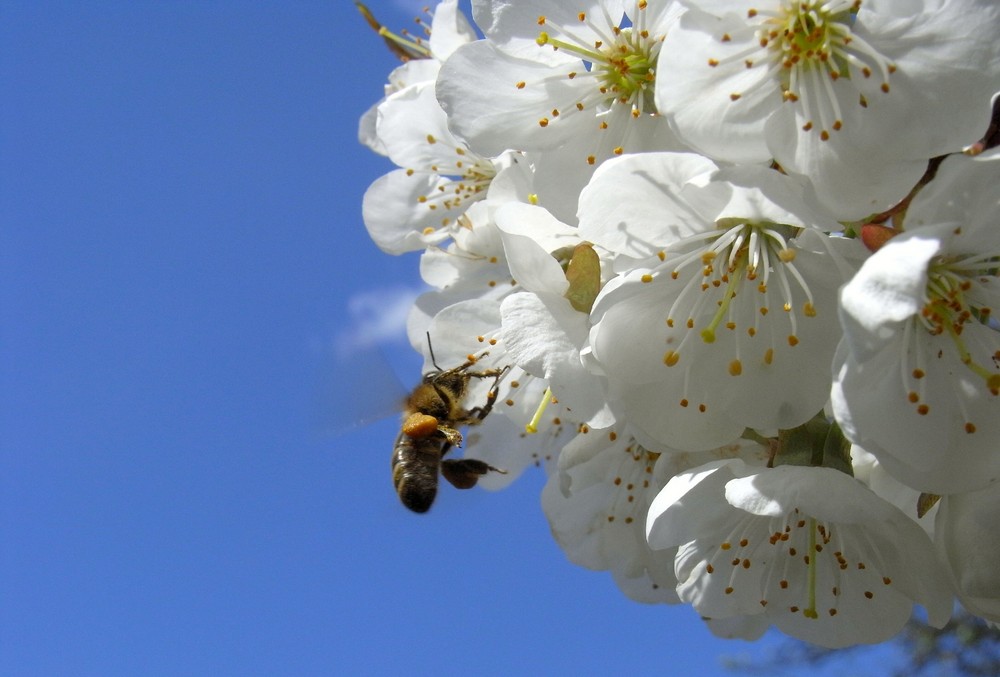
<point>415,466</point>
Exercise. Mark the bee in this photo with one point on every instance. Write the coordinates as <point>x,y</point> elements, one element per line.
<point>432,416</point>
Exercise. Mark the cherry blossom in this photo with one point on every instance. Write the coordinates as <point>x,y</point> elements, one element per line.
<point>596,505</point>
<point>570,81</point>
<point>449,29</point>
<point>810,549</point>
<point>419,204</point>
<point>917,349</point>
<point>732,322</point>
<point>817,84</point>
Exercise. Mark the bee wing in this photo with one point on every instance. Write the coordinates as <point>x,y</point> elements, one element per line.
<point>357,383</point>
<point>357,386</point>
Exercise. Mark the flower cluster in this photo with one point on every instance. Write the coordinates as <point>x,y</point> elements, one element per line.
<point>739,259</point>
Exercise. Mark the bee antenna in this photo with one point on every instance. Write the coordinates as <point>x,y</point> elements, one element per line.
<point>430,347</point>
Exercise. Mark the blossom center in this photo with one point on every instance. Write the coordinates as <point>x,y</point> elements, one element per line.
<point>628,71</point>
<point>807,34</point>
<point>744,253</point>
<point>472,173</point>
<point>808,45</point>
<point>950,305</point>
<point>622,58</point>
<point>632,481</point>
<point>814,568</point>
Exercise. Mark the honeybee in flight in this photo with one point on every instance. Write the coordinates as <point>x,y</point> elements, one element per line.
<point>432,416</point>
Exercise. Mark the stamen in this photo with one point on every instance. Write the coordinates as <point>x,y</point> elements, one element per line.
<point>807,45</point>
<point>532,426</point>
<point>810,610</point>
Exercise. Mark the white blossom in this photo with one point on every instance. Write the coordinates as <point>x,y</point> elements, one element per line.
<point>819,85</point>
<point>918,375</point>
<point>596,505</point>
<point>421,204</point>
<point>731,323</point>
<point>564,80</point>
<point>810,549</point>
<point>449,29</point>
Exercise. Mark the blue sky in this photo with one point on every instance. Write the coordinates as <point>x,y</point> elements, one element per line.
<point>180,244</point>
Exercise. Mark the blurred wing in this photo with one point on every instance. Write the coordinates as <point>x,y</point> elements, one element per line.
<point>356,386</point>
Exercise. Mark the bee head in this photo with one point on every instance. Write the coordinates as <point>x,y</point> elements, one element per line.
<point>454,381</point>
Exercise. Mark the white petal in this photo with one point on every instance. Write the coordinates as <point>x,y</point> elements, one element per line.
<point>513,25</point>
<point>968,537</point>
<point>850,180</point>
<point>479,87</point>
<point>747,628</point>
<point>636,205</point>
<point>396,217</point>
<point>534,268</point>
<point>697,97</point>
<point>819,493</point>
<point>963,192</point>
<point>449,30</point>
<point>667,525</point>
<point>415,132</point>
<point>887,290</point>
<point>543,335</point>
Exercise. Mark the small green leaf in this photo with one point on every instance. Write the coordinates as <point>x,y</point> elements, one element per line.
<point>925,503</point>
<point>584,276</point>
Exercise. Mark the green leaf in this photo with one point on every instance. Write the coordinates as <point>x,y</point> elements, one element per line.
<point>584,276</point>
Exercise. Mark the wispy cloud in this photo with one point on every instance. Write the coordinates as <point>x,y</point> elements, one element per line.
<point>358,375</point>
<point>376,316</point>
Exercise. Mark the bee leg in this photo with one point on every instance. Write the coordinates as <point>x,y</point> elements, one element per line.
<point>453,436</point>
<point>477,414</point>
<point>464,473</point>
